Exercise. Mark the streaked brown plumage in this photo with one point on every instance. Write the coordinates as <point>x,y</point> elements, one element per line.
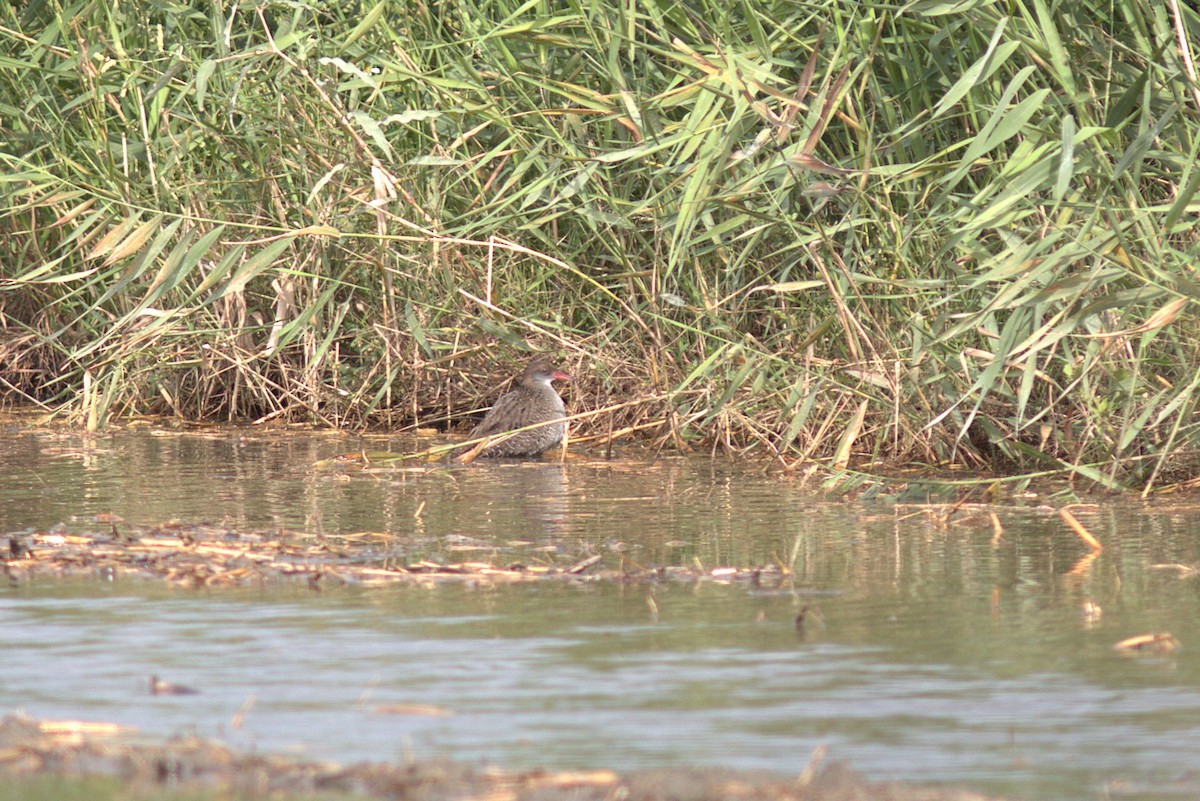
<point>532,401</point>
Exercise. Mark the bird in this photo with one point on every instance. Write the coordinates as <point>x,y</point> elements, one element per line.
<point>533,401</point>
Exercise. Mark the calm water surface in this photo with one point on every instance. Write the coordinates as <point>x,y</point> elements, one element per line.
<point>931,652</point>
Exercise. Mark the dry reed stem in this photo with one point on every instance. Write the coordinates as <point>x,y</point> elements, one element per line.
<point>1159,642</point>
<point>1079,530</point>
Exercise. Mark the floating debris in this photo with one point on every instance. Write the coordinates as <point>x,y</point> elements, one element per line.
<point>160,687</point>
<point>202,555</point>
<point>583,565</point>
<point>1185,571</point>
<point>72,748</point>
<point>421,710</point>
<point>1159,642</point>
<point>74,728</point>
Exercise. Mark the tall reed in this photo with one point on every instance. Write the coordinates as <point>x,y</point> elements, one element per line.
<point>856,232</point>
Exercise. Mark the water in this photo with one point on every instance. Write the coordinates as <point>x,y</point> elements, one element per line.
<point>930,651</point>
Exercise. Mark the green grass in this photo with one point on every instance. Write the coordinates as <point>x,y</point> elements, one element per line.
<point>858,233</point>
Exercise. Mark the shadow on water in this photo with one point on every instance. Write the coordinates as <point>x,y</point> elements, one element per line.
<point>930,651</point>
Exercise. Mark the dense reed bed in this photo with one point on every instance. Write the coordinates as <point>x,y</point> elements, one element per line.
<point>855,233</point>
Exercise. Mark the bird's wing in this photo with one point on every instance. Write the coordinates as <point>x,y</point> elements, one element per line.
<point>494,422</point>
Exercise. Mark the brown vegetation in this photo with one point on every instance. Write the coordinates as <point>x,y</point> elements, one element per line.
<point>30,747</point>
